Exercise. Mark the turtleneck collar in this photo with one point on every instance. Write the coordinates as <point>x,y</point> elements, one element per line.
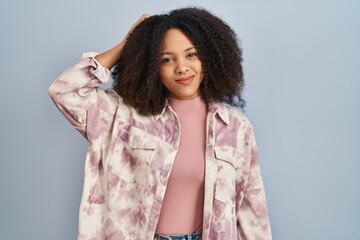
<point>187,106</point>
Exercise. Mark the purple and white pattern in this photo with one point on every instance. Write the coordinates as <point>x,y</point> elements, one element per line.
<point>130,158</point>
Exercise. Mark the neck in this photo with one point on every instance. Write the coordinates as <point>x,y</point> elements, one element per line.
<point>187,106</point>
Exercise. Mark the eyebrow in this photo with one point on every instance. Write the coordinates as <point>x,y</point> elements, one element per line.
<point>170,53</point>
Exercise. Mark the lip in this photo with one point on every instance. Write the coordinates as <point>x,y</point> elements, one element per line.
<point>185,80</point>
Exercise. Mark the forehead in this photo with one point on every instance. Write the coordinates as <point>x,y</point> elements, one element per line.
<point>174,39</point>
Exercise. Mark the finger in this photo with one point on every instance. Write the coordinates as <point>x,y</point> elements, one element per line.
<point>142,18</point>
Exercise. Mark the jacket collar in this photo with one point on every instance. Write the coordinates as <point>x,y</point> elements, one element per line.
<point>157,116</point>
<point>215,108</point>
<point>221,110</point>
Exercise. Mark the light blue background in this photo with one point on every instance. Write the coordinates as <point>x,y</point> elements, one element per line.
<point>302,66</point>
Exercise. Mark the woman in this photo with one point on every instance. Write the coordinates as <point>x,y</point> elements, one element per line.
<point>168,158</point>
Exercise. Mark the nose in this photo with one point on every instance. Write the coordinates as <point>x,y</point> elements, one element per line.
<point>183,70</point>
<point>181,67</point>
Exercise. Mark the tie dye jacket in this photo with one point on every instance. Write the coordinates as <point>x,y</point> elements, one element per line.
<point>130,157</point>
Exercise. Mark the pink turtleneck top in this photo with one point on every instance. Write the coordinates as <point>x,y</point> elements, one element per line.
<point>182,208</point>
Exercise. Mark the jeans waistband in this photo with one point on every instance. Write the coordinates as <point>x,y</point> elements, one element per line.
<point>191,236</point>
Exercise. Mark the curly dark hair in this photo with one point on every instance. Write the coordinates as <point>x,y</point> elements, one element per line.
<point>136,73</point>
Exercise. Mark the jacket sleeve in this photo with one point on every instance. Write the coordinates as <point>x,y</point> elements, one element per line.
<point>76,92</point>
<point>251,210</point>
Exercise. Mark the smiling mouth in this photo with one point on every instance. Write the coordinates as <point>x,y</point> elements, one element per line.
<point>185,80</point>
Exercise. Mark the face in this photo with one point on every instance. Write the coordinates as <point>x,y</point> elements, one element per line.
<point>180,68</point>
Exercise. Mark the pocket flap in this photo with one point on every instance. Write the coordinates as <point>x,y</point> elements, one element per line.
<point>139,139</point>
<point>227,154</point>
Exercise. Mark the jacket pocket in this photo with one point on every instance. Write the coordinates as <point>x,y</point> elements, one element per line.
<point>227,161</point>
<point>132,155</point>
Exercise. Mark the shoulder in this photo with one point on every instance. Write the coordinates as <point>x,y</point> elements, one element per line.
<point>112,94</point>
<point>124,112</point>
<point>237,118</point>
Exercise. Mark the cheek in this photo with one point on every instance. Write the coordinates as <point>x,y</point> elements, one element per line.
<point>164,80</point>
<point>165,75</point>
<point>199,68</point>
<point>200,72</point>
<point>161,75</point>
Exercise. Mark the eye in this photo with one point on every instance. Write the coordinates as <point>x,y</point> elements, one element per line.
<point>166,60</point>
<point>192,54</point>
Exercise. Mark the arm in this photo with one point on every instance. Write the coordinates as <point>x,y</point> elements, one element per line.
<point>252,215</point>
<point>77,94</point>
<point>110,57</point>
<point>76,91</point>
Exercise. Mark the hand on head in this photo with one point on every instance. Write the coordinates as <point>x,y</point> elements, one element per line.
<point>142,18</point>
